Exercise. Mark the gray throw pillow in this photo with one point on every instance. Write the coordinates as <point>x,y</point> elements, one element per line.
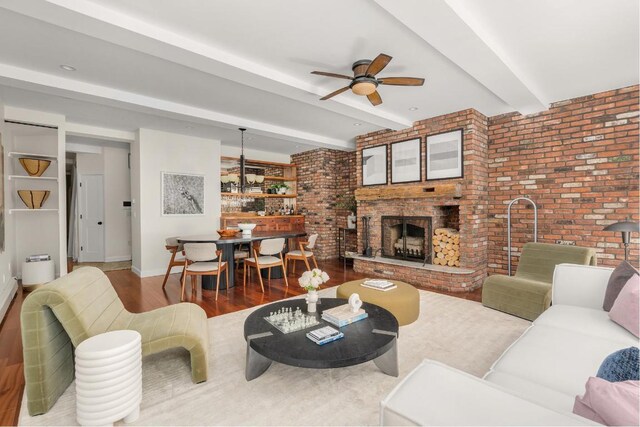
<point>618,279</point>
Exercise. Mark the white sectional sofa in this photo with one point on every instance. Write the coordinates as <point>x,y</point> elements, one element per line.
<point>536,379</point>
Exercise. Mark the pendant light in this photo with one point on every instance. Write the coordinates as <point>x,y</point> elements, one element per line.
<point>241,189</point>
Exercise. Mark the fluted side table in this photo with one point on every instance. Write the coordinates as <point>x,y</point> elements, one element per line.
<point>109,378</point>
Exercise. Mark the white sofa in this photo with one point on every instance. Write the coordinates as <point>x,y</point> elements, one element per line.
<point>536,379</point>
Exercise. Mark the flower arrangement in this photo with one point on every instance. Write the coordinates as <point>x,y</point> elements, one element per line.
<point>311,280</point>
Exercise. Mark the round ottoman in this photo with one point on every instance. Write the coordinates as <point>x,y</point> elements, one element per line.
<point>403,301</point>
<point>109,378</point>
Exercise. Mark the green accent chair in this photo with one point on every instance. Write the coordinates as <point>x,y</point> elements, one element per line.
<point>60,315</point>
<point>528,293</point>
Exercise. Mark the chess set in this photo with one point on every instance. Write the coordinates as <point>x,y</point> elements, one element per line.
<point>288,320</point>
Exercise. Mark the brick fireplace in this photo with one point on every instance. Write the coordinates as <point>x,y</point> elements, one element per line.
<point>460,204</point>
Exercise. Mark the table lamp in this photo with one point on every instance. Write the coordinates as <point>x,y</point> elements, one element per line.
<point>626,228</point>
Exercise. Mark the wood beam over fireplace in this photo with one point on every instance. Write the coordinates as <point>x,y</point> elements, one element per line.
<point>409,192</point>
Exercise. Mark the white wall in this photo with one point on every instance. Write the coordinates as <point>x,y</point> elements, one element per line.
<point>112,162</point>
<point>154,152</point>
<point>8,284</point>
<point>252,154</point>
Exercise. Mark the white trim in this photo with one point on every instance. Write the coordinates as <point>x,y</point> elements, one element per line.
<point>5,300</point>
<point>118,258</point>
<point>77,129</point>
<point>155,272</point>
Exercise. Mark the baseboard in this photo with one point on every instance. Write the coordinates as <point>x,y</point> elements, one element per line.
<point>155,271</point>
<point>118,258</point>
<point>9,292</point>
<point>136,270</point>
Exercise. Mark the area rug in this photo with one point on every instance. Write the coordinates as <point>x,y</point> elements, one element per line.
<point>460,333</point>
<point>107,266</point>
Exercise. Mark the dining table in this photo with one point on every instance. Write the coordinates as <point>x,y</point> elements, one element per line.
<point>227,245</point>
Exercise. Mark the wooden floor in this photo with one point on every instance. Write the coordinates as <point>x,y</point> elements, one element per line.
<point>140,295</point>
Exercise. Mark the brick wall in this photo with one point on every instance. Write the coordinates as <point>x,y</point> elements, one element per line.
<point>579,162</point>
<point>324,174</point>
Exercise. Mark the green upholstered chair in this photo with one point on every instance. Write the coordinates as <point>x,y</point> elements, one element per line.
<point>528,293</point>
<point>60,315</point>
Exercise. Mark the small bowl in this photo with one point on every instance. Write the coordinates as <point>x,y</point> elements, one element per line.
<point>227,233</point>
<point>246,227</point>
<point>34,167</point>
<point>34,199</point>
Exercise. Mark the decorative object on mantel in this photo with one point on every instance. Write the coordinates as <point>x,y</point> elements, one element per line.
<point>311,281</point>
<point>34,166</point>
<point>182,194</point>
<point>410,192</point>
<point>374,165</point>
<point>625,228</point>
<point>33,199</point>
<point>406,161</point>
<point>444,155</point>
<point>364,81</point>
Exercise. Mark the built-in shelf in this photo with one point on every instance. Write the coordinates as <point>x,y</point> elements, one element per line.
<point>32,210</point>
<point>37,178</point>
<point>18,154</point>
<point>261,195</point>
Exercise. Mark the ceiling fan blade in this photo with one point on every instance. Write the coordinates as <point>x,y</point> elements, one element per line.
<point>332,94</point>
<point>401,81</point>
<point>378,64</point>
<point>374,98</point>
<point>338,76</point>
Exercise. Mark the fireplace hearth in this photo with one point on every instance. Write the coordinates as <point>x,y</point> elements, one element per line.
<point>407,238</point>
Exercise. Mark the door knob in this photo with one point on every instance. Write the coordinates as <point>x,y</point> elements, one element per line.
<point>99,222</point>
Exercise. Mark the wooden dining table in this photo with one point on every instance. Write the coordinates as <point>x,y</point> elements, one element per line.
<point>227,245</point>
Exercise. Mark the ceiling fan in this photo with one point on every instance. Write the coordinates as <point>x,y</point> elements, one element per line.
<point>364,81</point>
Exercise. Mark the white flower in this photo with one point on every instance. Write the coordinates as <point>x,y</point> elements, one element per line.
<point>316,282</point>
<point>305,279</point>
<point>316,272</point>
<point>325,277</point>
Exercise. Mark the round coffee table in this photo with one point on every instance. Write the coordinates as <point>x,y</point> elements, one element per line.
<point>373,338</point>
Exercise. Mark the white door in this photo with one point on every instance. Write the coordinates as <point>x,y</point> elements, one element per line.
<point>91,204</point>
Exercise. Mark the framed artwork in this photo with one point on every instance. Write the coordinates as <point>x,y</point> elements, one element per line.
<point>444,155</point>
<point>406,161</point>
<point>182,194</point>
<point>374,165</point>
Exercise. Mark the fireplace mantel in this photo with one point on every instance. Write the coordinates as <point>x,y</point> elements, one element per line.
<point>421,191</point>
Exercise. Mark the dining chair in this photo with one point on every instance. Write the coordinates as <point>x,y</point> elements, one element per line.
<point>174,247</point>
<point>302,254</point>
<point>266,254</point>
<point>240,253</point>
<point>200,260</point>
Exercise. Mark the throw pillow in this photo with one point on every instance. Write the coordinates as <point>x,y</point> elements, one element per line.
<point>626,309</point>
<point>623,365</point>
<point>612,404</point>
<point>618,279</point>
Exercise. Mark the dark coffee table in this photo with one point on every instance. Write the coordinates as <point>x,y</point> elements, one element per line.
<point>374,338</point>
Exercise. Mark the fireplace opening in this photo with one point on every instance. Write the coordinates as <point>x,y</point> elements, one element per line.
<point>407,238</point>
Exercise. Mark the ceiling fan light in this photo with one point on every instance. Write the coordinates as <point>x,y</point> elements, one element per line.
<point>364,88</point>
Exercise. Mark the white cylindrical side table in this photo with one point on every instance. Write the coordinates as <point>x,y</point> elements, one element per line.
<point>109,378</point>
<point>37,273</point>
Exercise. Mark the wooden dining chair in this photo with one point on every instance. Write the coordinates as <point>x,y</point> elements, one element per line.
<point>302,254</point>
<point>200,260</point>
<point>175,248</point>
<point>266,254</point>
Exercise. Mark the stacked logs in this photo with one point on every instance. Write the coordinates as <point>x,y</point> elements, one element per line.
<point>446,247</point>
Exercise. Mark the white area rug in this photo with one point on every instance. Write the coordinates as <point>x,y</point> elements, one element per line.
<point>460,333</point>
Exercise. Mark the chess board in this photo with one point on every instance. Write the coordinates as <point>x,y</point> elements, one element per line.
<point>288,319</point>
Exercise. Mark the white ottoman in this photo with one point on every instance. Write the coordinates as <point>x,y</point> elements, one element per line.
<point>37,273</point>
<point>109,378</point>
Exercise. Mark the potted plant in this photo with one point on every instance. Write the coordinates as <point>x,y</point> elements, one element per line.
<point>280,188</point>
<point>348,202</point>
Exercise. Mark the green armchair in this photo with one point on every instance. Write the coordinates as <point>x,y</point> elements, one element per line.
<point>60,315</point>
<point>528,293</point>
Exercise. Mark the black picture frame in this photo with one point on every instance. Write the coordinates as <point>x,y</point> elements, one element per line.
<point>418,142</point>
<point>379,149</point>
<point>435,138</point>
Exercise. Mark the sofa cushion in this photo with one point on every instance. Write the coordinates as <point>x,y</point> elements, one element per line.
<point>623,365</point>
<point>622,273</point>
<point>586,321</point>
<point>626,308</point>
<point>556,358</point>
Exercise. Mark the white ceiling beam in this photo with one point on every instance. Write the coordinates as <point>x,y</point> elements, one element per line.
<point>88,131</point>
<point>449,28</point>
<point>118,28</point>
<point>60,86</point>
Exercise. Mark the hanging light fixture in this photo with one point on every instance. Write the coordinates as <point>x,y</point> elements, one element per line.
<point>241,189</point>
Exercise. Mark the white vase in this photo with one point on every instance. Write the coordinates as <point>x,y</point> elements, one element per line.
<point>312,299</point>
<point>351,221</point>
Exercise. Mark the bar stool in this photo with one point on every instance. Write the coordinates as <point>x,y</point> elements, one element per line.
<point>200,260</point>
<point>264,257</point>
<point>302,254</point>
<point>174,247</point>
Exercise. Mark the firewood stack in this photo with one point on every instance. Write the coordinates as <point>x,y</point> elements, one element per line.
<point>446,246</point>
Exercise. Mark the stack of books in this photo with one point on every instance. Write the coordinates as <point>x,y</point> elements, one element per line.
<point>378,284</point>
<point>343,316</point>
<point>324,335</point>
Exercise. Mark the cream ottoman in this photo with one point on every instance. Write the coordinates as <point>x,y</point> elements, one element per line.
<point>403,302</point>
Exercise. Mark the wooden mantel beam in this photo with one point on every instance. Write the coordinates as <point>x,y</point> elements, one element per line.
<point>421,191</point>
